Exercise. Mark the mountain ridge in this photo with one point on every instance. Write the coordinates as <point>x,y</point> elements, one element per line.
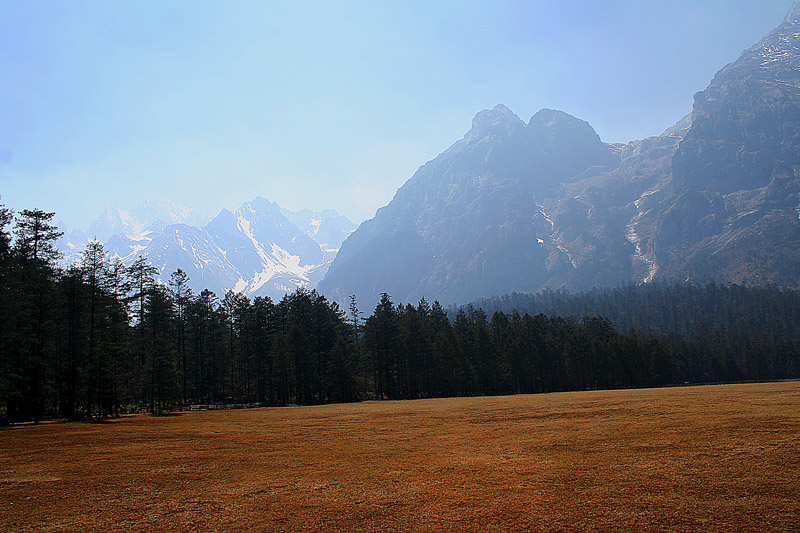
<point>522,207</point>
<point>256,250</point>
<point>500,166</point>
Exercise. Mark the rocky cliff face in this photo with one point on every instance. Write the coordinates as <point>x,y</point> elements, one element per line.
<point>471,222</point>
<point>520,207</point>
<point>733,212</point>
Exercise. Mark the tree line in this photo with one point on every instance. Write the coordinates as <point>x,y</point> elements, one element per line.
<point>100,338</point>
<point>660,307</point>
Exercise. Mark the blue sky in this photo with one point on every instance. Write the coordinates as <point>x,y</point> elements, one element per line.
<point>323,104</point>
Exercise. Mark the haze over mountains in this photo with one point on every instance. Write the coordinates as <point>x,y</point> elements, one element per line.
<point>523,206</point>
<point>259,250</point>
<point>519,206</point>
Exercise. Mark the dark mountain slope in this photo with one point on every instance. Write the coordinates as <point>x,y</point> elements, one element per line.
<point>470,221</point>
<point>516,207</point>
<point>733,215</point>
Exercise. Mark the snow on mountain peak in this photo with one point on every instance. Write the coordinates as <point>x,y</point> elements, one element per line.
<point>260,249</point>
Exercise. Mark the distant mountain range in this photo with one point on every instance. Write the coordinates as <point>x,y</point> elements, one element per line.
<point>517,206</point>
<point>259,250</point>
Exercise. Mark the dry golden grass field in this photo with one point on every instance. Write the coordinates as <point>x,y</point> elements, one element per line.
<point>716,458</point>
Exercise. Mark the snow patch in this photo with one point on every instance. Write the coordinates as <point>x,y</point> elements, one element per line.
<point>547,218</point>
<point>137,248</point>
<point>240,285</point>
<point>633,238</point>
<point>314,223</point>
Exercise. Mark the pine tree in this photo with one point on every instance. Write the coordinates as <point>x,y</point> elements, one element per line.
<point>6,307</point>
<point>381,334</point>
<point>228,308</point>
<point>94,271</point>
<point>161,349</point>
<point>141,279</point>
<point>181,295</point>
<point>35,256</point>
<point>263,340</point>
<point>356,324</point>
<point>6,216</point>
<point>117,343</point>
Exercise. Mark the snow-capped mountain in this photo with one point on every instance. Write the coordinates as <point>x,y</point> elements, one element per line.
<point>114,221</point>
<point>327,228</point>
<point>148,216</point>
<point>257,250</point>
<point>130,231</point>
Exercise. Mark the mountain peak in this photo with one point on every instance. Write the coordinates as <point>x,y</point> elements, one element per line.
<point>549,117</point>
<point>499,118</point>
<point>555,130</point>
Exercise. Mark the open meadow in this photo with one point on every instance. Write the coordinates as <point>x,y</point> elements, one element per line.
<point>679,459</point>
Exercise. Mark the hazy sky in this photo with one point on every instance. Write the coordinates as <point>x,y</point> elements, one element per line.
<point>323,104</point>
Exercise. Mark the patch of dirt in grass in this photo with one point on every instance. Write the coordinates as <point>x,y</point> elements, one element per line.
<point>683,459</point>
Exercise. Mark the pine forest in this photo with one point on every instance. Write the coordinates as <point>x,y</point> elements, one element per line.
<point>99,339</point>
